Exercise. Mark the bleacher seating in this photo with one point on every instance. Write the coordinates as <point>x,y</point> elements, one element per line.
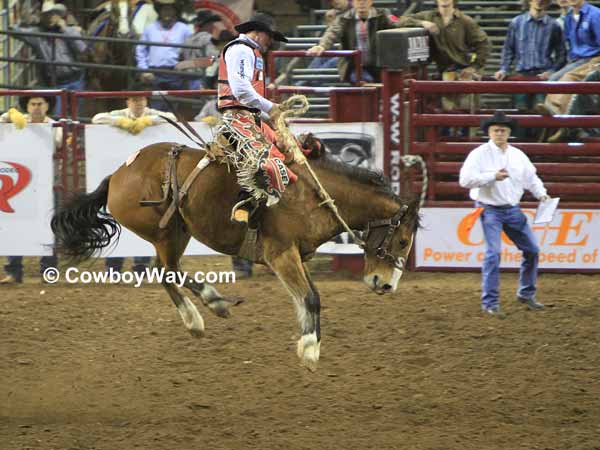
<point>493,15</point>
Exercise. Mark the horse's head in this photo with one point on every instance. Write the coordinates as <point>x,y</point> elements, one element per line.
<point>387,245</point>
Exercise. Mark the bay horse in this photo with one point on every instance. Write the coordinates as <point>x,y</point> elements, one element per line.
<point>290,232</point>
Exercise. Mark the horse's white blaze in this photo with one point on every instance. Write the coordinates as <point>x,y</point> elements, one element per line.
<point>309,348</point>
<point>191,317</point>
<point>396,275</point>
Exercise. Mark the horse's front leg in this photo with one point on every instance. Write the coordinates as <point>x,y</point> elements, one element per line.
<point>289,269</point>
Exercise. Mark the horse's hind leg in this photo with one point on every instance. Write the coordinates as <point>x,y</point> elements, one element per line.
<point>168,253</point>
<point>288,267</point>
<point>211,298</point>
<point>172,249</point>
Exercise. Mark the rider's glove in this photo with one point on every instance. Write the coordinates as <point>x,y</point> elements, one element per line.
<point>275,113</point>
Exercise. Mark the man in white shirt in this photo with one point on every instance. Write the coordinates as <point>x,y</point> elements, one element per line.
<point>497,175</point>
<point>241,100</point>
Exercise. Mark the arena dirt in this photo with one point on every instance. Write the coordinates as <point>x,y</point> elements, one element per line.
<point>112,368</point>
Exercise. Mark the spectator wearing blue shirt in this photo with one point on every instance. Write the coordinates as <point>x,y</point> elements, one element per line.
<point>167,29</point>
<point>582,30</point>
<point>534,43</point>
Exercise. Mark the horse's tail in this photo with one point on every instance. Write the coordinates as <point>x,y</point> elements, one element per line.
<point>83,225</point>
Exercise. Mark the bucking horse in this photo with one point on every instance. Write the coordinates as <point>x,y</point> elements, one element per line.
<point>289,233</point>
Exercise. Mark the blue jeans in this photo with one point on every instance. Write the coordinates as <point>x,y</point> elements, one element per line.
<point>140,263</point>
<point>15,265</point>
<point>77,85</point>
<point>514,223</point>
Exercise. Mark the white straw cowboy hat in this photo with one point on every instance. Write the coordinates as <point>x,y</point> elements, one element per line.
<point>50,6</point>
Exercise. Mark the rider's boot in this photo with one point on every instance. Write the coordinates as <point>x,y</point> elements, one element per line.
<point>241,210</point>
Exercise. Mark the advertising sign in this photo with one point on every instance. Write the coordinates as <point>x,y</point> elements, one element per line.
<point>570,241</point>
<point>26,181</point>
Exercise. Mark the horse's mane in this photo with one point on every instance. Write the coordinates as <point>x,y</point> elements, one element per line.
<point>369,177</point>
<point>360,174</point>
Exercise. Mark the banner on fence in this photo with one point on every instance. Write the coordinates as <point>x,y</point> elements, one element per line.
<point>570,241</point>
<point>26,181</point>
<point>108,147</point>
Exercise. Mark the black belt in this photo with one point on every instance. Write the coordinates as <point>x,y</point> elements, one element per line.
<point>498,206</point>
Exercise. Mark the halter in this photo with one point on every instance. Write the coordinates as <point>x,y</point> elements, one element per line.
<point>381,246</point>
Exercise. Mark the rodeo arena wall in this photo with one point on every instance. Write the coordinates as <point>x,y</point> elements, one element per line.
<point>382,127</point>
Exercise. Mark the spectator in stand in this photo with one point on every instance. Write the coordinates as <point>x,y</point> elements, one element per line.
<point>208,27</point>
<point>338,7</point>
<point>581,105</point>
<point>582,30</point>
<point>356,29</point>
<point>167,29</point>
<point>534,43</point>
<point>67,51</point>
<point>133,119</point>
<point>460,47</point>
<point>36,112</point>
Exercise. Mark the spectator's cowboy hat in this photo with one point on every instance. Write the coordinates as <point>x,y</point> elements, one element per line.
<point>50,6</point>
<point>205,17</point>
<point>261,22</point>
<point>138,86</point>
<point>158,4</point>
<point>499,118</point>
<point>225,36</point>
<point>24,100</point>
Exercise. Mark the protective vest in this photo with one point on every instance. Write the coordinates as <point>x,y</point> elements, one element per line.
<point>226,99</point>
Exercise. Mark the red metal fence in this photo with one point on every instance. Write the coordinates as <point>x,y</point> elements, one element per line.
<point>569,170</point>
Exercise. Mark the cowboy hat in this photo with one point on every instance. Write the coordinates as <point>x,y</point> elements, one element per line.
<point>206,16</point>
<point>24,100</point>
<point>158,4</point>
<point>499,118</point>
<point>50,6</point>
<point>261,22</point>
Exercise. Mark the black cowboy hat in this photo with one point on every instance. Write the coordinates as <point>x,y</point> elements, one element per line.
<point>24,99</point>
<point>206,16</point>
<point>261,22</point>
<point>225,36</point>
<point>174,3</point>
<point>499,118</point>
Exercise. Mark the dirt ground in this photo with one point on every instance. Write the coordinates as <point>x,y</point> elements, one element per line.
<point>113,368</point>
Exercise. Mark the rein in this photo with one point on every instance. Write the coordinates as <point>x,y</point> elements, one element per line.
<point>297,105</point>
<point>381,246</point>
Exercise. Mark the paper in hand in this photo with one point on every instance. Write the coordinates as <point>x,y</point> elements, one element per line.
<point>545,211</point>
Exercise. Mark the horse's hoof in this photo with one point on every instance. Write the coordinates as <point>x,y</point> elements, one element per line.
<point>220,308</point>
<point>233,301</point>
<point>196,333</point>
<point>309,350</point>
<point>311,366</point>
